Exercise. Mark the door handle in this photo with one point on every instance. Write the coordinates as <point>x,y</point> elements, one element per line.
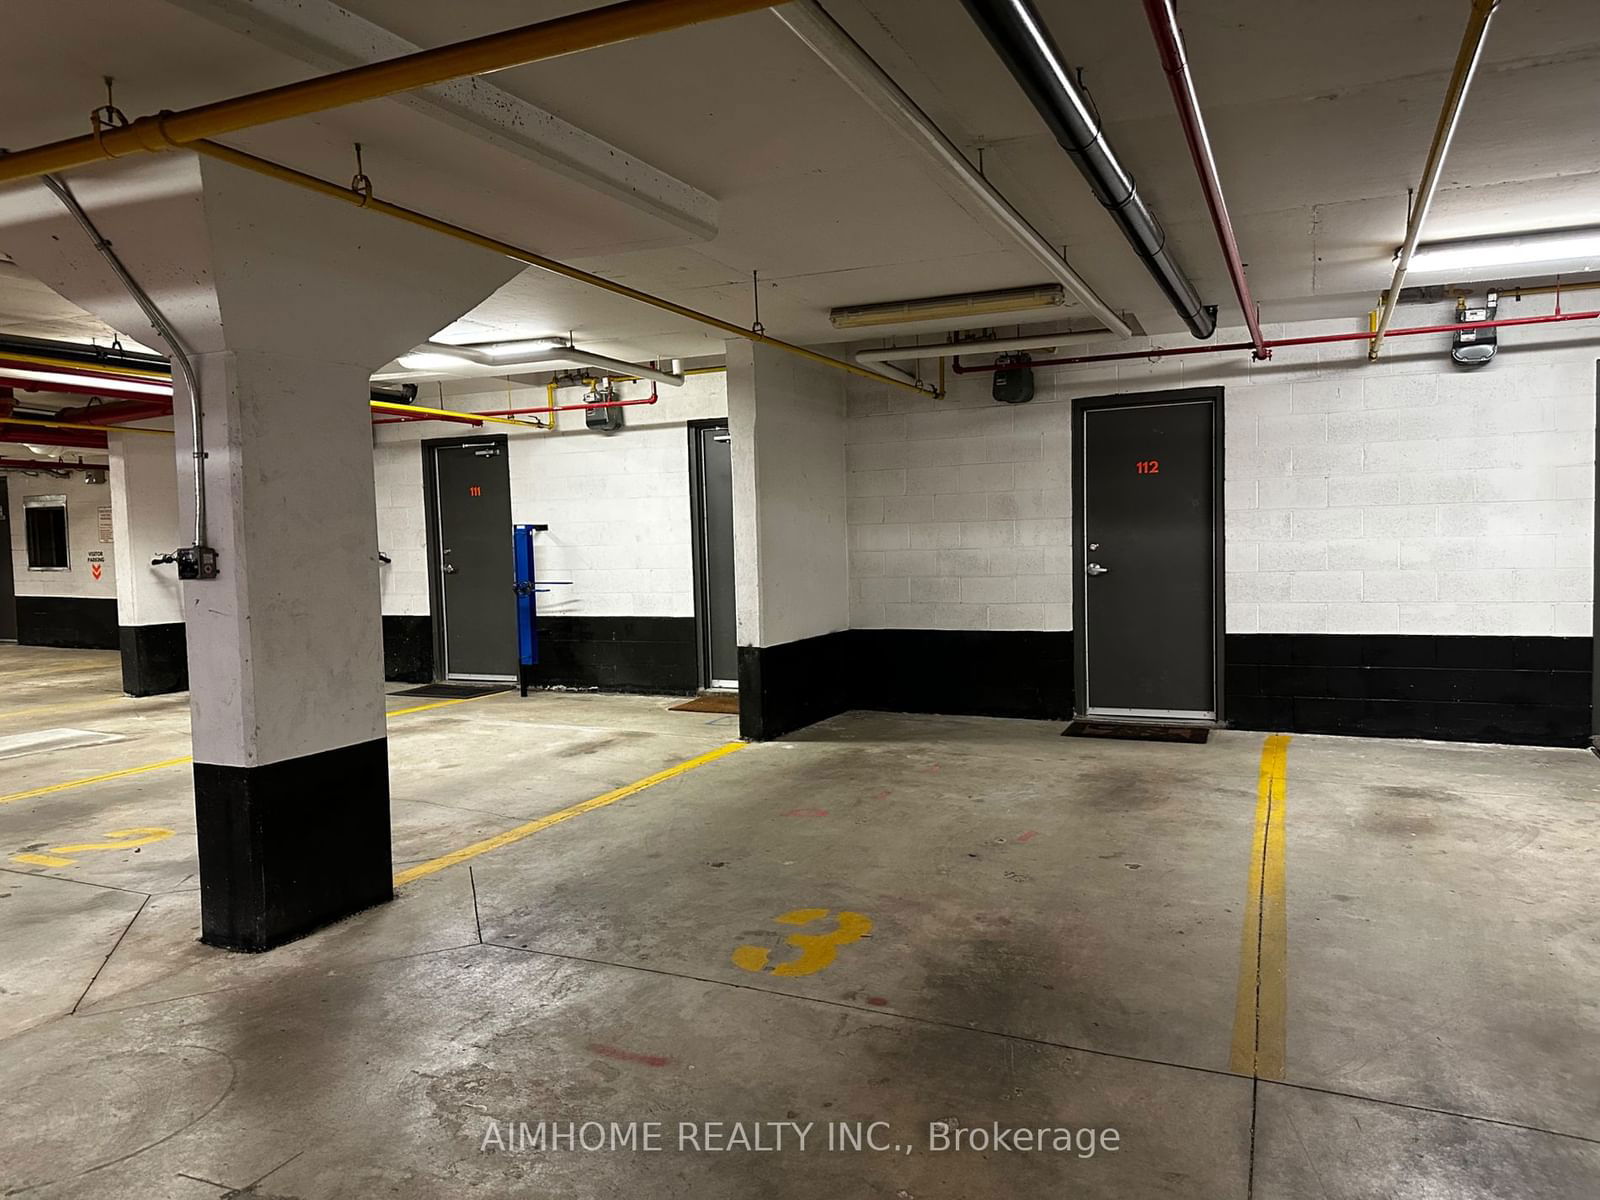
<point>447,568</point>
<point>1096,569</point>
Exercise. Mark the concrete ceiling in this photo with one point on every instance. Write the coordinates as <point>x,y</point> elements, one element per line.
<point>1321,116</point>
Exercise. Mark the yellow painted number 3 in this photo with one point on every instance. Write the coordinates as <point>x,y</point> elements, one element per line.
<point>117,839</point>
<point>817,950</point>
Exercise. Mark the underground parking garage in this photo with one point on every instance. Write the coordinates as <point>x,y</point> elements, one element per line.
<point>876,598</point>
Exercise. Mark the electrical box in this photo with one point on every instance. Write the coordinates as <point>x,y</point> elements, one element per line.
<point>606,420</point>
<point>1474,347</point>
<point>1013,382</point>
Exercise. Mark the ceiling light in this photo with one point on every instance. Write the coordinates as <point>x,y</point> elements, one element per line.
<point>431,360</point>
<point>944,308</point>
<point>117,384</point>
<point>507,350</point>
<point>1577,249</point>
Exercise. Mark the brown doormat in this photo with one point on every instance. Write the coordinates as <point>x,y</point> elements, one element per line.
<point>713,702</point>
<point>1196,734</point>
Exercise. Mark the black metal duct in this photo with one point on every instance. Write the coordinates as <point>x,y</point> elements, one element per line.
<point>1018,35</point>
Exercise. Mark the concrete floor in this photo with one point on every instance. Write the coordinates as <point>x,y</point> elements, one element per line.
<point>1052,937</point>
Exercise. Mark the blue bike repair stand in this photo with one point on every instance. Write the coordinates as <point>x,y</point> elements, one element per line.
<point>527,607</point>
<point>527,586</point>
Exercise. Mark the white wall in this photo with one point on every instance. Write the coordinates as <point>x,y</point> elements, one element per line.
<point>84,502</point>
<point>787,419</point>
<point>1410,496</point>
<point>144,504</point>
<point>617,504</point>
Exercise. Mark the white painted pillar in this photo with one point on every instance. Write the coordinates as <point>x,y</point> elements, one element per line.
<point>787,420</point>
<point>144,519</point>
<point>288,302</point>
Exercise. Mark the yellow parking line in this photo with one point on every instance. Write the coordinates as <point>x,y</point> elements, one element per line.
<point>532,827</point>
<point>401,712</point>
<point>109,775</point>
<point>178,762</point>
<point>1261,1005</point>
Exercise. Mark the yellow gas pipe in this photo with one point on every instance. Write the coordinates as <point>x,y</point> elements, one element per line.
<point>479,56</point>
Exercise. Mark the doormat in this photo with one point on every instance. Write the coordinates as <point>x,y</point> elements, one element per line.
<point>455,691</point>
<point>715,702</point>
<point>1196,734</point>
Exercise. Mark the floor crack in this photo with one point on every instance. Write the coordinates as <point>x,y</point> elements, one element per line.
<point>103,962</point>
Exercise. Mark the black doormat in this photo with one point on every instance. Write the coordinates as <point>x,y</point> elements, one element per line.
<point>1196,734</point>
<point>455,691</point>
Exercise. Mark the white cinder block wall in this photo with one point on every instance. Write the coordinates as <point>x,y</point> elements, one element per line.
<point>1410,496</point>
<point>790,495</point>
<point>617,504</point>
<point>84,502</point>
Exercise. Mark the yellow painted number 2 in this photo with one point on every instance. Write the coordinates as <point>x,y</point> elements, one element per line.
<point>117,839</point>
<point>817,950</point>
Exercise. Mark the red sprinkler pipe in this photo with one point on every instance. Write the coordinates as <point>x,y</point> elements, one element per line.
<point>1169,40</point>
<point>1274,343</point>
<point>35,436</point>
<point>119,412</point>
<point>90,386</point>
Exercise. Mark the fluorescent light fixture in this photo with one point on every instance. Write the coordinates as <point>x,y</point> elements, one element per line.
<point>1576,249</point>
<point>945,308</point>
<point>515,349</point>
<point>431,360</point>
<point>117,384</point>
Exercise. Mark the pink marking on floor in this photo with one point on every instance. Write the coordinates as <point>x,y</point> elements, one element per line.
<point>621,1055</point>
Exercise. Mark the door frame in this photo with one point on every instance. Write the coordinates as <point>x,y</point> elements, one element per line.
<point>1594,699</point>
<point>1081,407</point>
<point>8,583</point>
<point>430,506</point>
<point>697,525</point>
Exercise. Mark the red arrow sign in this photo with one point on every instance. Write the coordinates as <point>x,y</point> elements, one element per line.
<point>94,569</point>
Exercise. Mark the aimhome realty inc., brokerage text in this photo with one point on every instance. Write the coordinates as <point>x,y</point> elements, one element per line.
<point>768,1137</point>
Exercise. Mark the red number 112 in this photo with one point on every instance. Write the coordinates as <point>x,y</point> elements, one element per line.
<point>1149,466</point>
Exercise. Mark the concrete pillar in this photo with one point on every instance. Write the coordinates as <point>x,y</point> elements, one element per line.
<point>144,520</point>
<point>289,301</point>
<point>787,420</point>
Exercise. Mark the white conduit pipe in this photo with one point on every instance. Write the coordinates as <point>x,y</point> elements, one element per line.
<point>473,356</point>
<point>175,347</point>
<point>829,42</point>
<point>988,346</point>
<point>602,362</point>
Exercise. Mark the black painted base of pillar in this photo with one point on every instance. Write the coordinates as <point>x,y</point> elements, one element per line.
<point>291,846</point>
<point>155,659</point>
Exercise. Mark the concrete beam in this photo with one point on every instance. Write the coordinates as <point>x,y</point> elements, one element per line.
<point>324,35</point>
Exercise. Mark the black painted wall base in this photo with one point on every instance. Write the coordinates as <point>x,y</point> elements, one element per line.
<point>155,659</point>
<point>1515,690</point>
<point>70,622</point>
<point>787,687</point>
<point>291,846</point>
<point>1533,691</point>
<point>617,654</point>
<point>408,649</point>
<point>966,672</point>
<point>952,671</point>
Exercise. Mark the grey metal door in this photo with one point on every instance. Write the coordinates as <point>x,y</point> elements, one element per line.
<point>8,583</point>
<point>714,516</point>
<point>475,567</point>
<point>1147,553</point>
